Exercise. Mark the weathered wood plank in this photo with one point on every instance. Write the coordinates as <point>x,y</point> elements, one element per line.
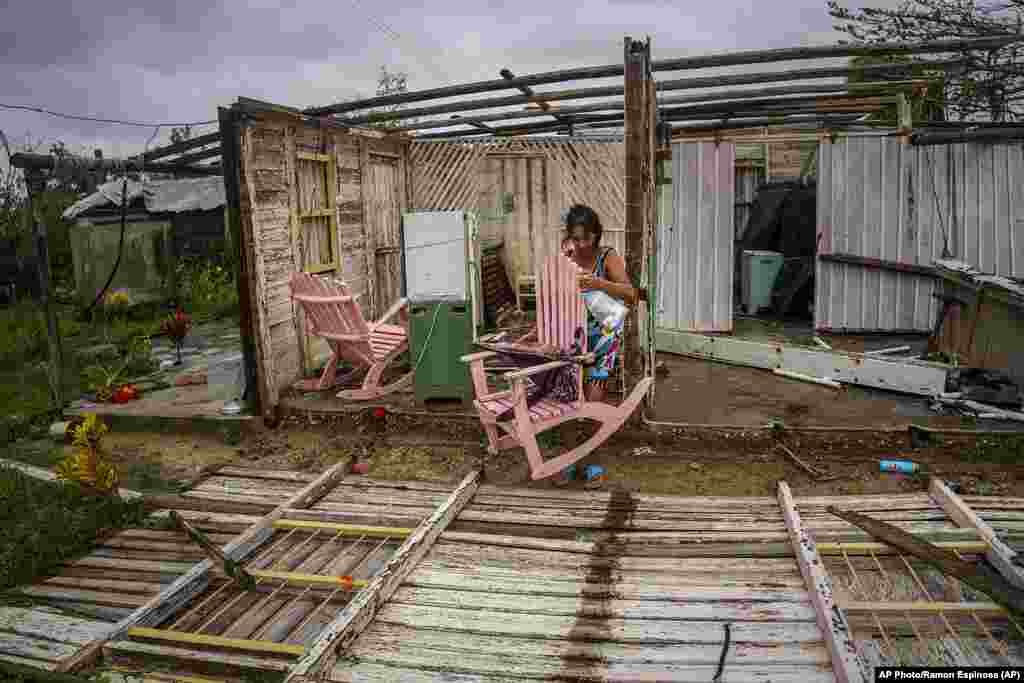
<point>362,610</point>
<point>381,640</point>
<point>281,475</point>
<point>613,630</point>
<point>556,566</point>
<point>35,648</point>
<point>141,566</point>
<point>848,666</point>
<point>118,585</point>
<point>999,555</point>
<point>215,641</point>
<point>636,587</point>
<point>50,624</point>
<point>39,664</point>
<point>499,671</point>
<point>94,597</point>
<point>168,652</point>
<point>686,609</point>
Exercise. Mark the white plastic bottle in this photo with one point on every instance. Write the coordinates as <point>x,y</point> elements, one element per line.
<point>604,307</point>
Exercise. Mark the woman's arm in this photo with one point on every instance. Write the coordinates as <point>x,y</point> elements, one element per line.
<point>617,284</point>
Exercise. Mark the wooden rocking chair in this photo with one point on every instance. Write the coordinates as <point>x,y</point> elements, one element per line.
<point>560,313</point>
<point>334,314</point>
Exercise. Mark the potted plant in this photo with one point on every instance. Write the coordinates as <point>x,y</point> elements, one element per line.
<point>177,327</point>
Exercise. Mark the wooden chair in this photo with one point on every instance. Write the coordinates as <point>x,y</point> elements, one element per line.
<point>334,314</point>
<point>560,312</point>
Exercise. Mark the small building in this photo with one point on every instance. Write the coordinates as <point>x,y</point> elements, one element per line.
<point>166,221</point>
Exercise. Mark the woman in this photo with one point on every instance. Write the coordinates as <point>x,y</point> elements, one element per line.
<point>604,270</point>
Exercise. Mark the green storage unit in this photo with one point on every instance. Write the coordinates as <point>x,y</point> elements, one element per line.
<point>442,331</point>
<point>760,269</point>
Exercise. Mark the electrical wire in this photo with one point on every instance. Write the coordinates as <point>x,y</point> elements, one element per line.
<point>78,117</point>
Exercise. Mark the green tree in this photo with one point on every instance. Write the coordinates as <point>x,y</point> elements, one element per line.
<point>991,86</point>
<point>927,103</point>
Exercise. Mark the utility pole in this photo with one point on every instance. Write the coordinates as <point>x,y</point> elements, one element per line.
<point>35,182</point>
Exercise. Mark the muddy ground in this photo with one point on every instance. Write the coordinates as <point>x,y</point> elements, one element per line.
<point>684,462</point>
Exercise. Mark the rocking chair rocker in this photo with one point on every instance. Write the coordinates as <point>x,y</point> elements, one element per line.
<point>560,313</point>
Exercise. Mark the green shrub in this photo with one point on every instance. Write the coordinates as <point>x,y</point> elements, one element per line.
<point>208,288</point>
<point>46,523</point>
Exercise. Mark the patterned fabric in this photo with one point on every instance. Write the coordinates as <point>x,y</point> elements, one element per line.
<point>559,384</point>
<point>603,341</point>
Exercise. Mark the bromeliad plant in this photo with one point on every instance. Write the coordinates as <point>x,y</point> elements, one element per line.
<point>177,327</point>
<point>86,467</point>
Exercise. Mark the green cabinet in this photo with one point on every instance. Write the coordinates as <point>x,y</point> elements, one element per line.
<point>440,332</point>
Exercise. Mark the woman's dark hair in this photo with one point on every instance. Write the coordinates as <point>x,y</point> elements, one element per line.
<point>583,215</point>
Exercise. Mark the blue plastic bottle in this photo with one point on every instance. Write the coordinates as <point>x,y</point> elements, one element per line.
<point>904,466</point>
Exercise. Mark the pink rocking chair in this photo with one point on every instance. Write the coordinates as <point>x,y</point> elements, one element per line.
<point>333,313</point>
<point>560,312</point>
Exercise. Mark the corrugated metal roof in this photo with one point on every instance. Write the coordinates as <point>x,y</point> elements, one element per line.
<point>160,196</point>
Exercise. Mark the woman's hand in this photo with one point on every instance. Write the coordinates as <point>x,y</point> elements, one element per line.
<point>588,281</point>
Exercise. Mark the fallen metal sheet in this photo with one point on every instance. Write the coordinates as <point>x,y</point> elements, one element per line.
<point>911,377</point>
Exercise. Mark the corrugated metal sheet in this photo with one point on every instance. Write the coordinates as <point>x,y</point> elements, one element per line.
<point>161,196</point>
<point>883,199</point>
<point>695,292</point>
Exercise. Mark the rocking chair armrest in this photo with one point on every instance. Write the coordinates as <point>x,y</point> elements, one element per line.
<point>544,367</point>
<point>391,312</point>
<point>479,356</point>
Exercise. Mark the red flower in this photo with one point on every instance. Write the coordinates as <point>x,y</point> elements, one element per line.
<point>379,413</point>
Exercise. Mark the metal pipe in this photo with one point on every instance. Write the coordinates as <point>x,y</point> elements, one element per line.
<point>745,57</point>
<point>865,72</point>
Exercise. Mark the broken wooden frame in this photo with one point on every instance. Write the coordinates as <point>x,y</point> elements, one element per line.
<point>174,597</point>
<point>1004,586</point>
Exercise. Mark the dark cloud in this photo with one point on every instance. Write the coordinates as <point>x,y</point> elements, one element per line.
<point>163,60</point>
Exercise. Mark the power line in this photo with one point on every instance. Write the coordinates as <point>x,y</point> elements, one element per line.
<point>40,110</point>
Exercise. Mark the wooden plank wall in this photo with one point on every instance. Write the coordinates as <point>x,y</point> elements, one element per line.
<point>543,175</point>
<point>370,196</point>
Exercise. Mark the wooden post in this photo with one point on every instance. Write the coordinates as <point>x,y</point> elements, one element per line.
<point>232,167</point>
<point>999,555</point>
<point>847,665</point>
<point>637,68</point>
<point>36,183</point>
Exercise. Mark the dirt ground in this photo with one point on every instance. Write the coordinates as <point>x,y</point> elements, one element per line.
<point>685,463</point>
<point>698,392</point>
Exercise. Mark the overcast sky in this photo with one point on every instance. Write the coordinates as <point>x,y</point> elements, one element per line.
<point>177,61</point>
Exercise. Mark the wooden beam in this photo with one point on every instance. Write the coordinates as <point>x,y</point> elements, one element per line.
<point>922,607</point>
<point>847,665</point>
<point>345,529</point>
<point>962,547</point>
<point>172,598</point>
<point>880,264</point>
<point>637,58</point>
<point>979,577</point>
<point>357,615</point>
<point>998,553</point>
<point>178,148</point>
<point>265,646</point>
<point>701,62</point>
<point>308,579</point>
